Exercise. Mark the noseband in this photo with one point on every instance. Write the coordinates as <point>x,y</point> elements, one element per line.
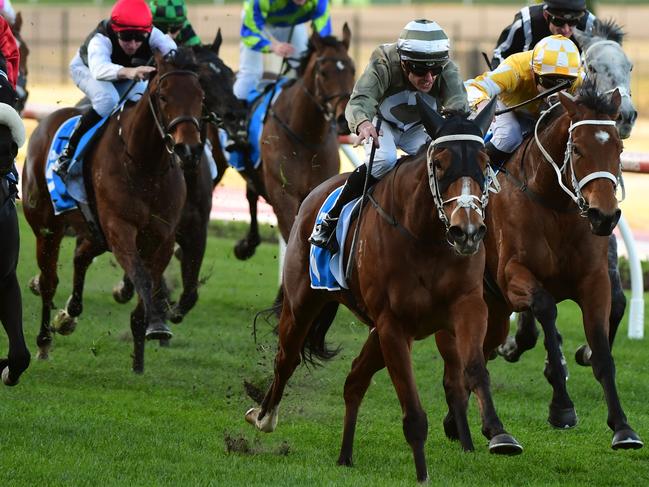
<point>577,185</point>
<point>469,201</point>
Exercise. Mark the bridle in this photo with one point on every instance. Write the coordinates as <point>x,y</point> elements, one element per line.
<point>323,103</point>
<point>469,201</point>
<point>577,185</point>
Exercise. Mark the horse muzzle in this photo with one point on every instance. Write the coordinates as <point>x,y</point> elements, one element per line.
<point>188,155</point>
<point>601,223</point>
<point>466,239</point>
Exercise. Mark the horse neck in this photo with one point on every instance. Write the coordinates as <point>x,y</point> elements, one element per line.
<point>307,117</point>
<point>142,138</point>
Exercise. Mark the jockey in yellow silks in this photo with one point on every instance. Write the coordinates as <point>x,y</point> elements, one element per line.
<point>521,77</point>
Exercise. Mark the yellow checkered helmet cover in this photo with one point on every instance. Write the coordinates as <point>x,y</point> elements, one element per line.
<point>556,55</point>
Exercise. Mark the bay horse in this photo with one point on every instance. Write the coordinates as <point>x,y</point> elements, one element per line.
<point>418,271</point>
<point>138,191</point>
<point>610,68</point>
<point>226,112</point>
<point>12,134</point>
<point>547,241</point>
<point>299,141</point>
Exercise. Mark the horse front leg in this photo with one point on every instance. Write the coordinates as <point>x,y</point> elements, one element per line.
<point>245,248</point>
<point>368,362</point>
<point>123,290</point>
<point>11,316</point>
<point>85,251</point>
<point>594,302</point>
<point>396,348</point>
<point>525,338</point>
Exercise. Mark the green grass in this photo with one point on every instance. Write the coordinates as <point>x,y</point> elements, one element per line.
<point>83,418</point>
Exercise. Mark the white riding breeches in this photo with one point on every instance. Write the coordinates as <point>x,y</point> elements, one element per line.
<point>392,138</point>
<point>103,95</point>
<point>507,131</point>
<point>251,63</point>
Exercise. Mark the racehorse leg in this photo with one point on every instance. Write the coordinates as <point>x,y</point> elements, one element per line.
<point>525,338</point>
<point>294,325</point>
<point>123,291</point>
<point>138,327</point>
<point>594,307</point>
<point>245,248</point>
<point>193,251</point>
<point>85,251</point>
<point>368,362</point>
<point>396,348</point>
<point>618,303</point>
<point>47,253</point>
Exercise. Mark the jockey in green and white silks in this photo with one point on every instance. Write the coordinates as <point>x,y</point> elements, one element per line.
<point>170,16</point>
<point>417,63</point>
<point>266,27</point>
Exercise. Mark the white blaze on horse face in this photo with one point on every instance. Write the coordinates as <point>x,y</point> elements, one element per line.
<point>602,136</point>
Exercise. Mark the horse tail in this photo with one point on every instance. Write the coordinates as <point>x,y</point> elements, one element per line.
<point>315,348</point>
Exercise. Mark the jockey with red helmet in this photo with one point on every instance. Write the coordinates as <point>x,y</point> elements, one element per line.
<point>114,52</point>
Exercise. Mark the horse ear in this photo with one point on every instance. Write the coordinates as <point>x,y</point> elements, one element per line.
<point>347,36</point>
<point>317,40</point>
<point>216,45</point>
<point>432,120</point>
<point>485,117</point>
<point>569,103</point>
<point>18,23</point>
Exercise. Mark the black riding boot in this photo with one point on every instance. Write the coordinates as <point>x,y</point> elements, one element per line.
<point>85,123</point>
<point>353,189</point>
<point>497,157</point>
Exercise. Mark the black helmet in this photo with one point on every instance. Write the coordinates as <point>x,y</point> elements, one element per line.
<point>566,9</point>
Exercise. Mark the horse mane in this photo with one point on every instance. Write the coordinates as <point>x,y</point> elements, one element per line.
<point>609,30</point>
<point>182,58</point>
<point>593,99</point>
<point>330,41</point>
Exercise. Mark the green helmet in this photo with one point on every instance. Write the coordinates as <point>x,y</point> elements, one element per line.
<point>168,11</point>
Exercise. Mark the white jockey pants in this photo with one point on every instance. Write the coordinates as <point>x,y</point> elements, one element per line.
<point>507,131</point>
<point>392,138</point>
<point>251,63</point>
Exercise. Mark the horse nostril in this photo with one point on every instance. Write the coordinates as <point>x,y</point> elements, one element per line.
<point>634,116</point>
<point>479,235</point>
<point>456,234</point>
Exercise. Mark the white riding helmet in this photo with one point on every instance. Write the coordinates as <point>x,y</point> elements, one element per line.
<point>423,41</point>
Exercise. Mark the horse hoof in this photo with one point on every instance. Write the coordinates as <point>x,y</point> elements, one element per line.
<point>243,250</point>
<point>582,356</point>
<point>345,461</point>
<point>509,350</point>
<point>562,418</point>
<point>120,294</point>
<point>158,331</point>
<point>43,352</point>
<point>34,286</point>
<point>505,444</point>
<point>175,315</point>
<point>63,323</point>
<point>5,378</point>
<point>267,424</point>
<point>626,439</point>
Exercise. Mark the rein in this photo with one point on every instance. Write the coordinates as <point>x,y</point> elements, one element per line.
<point>577,185</point>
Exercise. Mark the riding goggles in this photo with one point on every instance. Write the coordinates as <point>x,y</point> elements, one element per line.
<point>549,82</point>
<point>560,21</point>
<point>422,69</point>
<point>132,35</point>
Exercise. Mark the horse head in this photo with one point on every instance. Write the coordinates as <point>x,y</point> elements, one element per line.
<point>610,67</point>
<point>458,173</point>
<point>592,157</point>
<point>176,100</point>
<point>328,74</point>
<point>217,80</point>
<point>21,89</point>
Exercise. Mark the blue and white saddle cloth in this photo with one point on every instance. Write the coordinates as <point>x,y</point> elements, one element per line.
<point>64,198</point>
<point>328,271</point>
<point>255,125</point>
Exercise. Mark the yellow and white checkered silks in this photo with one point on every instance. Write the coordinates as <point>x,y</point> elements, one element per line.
<point>556,55</point>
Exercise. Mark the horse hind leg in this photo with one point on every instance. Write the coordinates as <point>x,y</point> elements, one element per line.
<point>368,362</point>
<point>246,247</point>
<point>11,317</point>
<point>193,251</point>
<point>124,290</point>
<point>525,338</point>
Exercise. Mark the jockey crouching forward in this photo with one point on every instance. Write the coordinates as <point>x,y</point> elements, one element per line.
<point>112,54</point>
<point>519,78</point>
<point>417,63</point>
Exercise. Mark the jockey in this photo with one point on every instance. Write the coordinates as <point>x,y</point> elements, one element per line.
<point>417,63</point>
<point>519,78</point>
<point>533,23</point>
<point>170,16</point>
<point>114,52</point>
<point>277,26</point>
<point>7,11</point>
<point>10,59</point>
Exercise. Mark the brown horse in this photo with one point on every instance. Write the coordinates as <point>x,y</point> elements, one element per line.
<point>426,236</point>
<point>226,112</point>
<point>547,242</point>
<point>138,191</point>
<point>299,142</point>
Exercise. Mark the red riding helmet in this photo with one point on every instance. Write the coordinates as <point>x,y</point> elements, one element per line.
<point>131,15</point>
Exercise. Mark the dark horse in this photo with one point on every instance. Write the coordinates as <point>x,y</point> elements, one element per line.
<point>299,142</point>
<point>21,87</point>
<point>548,242</point>
<point>227,112</point>
<point>12,134</point>
<point>138,189</point>
<point>419,271</point>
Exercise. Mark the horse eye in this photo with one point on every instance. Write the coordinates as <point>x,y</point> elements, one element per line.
<point>576,151</point>
<point>163,98</point>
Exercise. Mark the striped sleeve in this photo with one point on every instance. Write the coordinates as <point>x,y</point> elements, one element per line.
<point>504,78</point>
<point>255,13</point>
<point>322,18</point>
